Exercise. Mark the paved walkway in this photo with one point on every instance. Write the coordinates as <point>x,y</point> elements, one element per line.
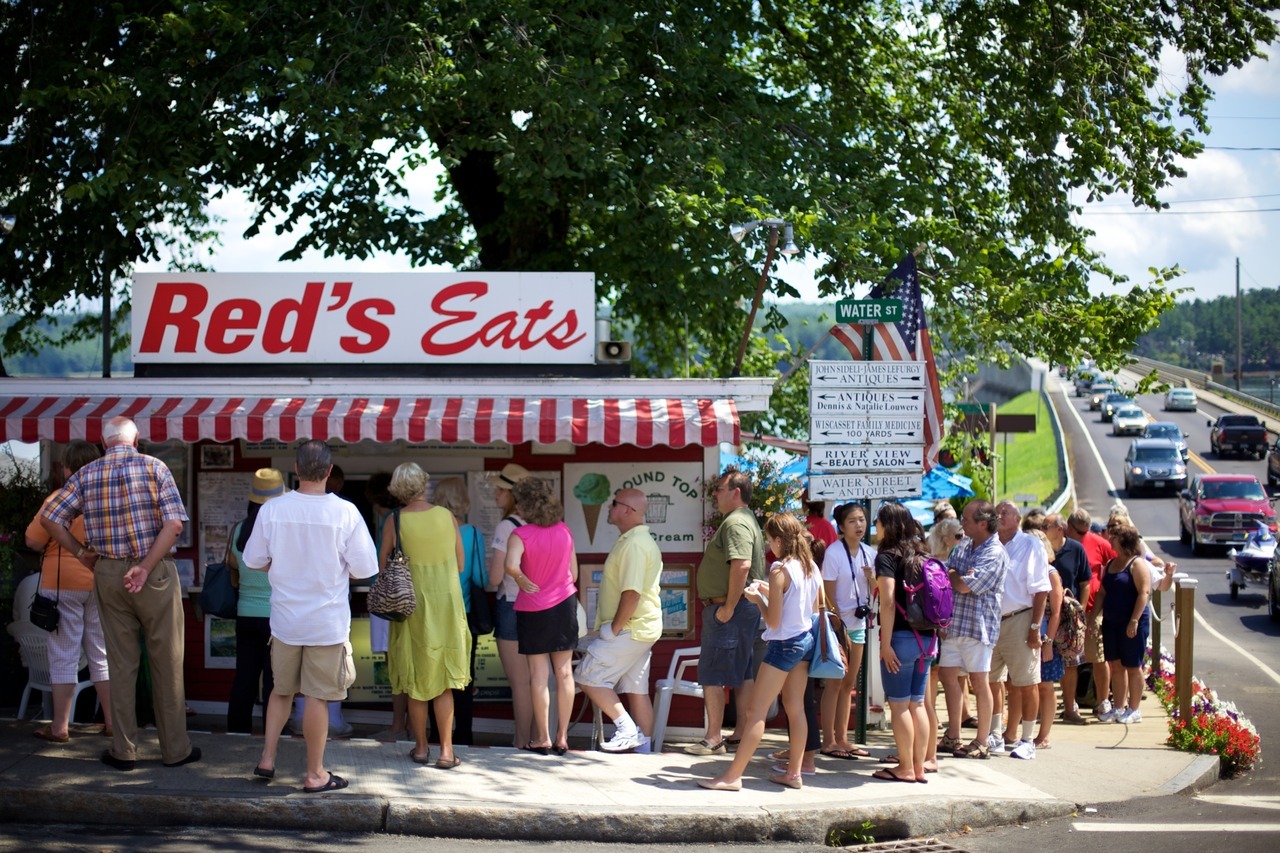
<point>502,793</point>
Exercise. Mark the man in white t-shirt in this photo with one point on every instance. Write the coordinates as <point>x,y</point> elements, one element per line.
<point>1017,652</point>
<point>629,617</point>
<point>313,544</point>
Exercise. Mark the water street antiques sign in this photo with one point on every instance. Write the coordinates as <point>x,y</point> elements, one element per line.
<point>831,458</point>
<point>848,487</point>
<point>867,374</point>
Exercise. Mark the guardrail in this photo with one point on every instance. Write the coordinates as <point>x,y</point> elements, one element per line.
<point>1199,379</point>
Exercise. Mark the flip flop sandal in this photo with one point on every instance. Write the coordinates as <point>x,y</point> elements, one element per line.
<point>46,733</point>
<point>335,783</point>
<point>846,754</point>
<point>889,776</point>
<point>450,764</point>
<point>420,759</point>
<point>264,773</point>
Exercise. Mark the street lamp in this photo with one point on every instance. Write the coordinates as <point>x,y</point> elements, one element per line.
<point>789,247</point>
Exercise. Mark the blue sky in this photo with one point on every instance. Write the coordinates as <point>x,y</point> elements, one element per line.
<point>1227,206</point>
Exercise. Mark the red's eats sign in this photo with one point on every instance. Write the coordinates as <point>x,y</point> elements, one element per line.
<point>536,318</point>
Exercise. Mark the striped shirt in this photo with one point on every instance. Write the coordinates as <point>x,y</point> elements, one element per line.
<point>977,613</point>
<point>125,498</point>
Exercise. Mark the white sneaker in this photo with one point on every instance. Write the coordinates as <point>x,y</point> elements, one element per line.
<point>623,742</point>
<point>1103,708</point>
<point>1111,715</point>
<point>1129,716</point>
<point>995,743</point>
<point>1025,749</point>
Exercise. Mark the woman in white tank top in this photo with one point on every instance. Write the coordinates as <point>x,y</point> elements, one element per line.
<point>787,601</point>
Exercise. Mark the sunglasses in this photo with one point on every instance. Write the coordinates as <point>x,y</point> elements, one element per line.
<point>628,506</point>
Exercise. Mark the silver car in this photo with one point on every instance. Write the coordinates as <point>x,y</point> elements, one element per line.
<point>1128,420</point>
<point>1154,463</point>
<point>1180,400</point>
<point>1171,431</point>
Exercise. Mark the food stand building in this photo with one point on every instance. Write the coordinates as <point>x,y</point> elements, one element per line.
<point>478,371</point>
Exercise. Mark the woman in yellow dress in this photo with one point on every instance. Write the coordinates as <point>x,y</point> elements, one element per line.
<point>429,653</point>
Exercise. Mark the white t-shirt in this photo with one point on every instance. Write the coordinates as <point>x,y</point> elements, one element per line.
<point>1028,572</point>
<point>508,589</point>
<point>315,545</point>
<point>851,586</point>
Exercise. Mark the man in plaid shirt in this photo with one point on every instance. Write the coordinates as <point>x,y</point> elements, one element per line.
<point>977,568</point>
<point>133,516</point>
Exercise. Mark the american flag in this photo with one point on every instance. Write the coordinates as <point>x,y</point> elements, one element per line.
<point>904,341</point>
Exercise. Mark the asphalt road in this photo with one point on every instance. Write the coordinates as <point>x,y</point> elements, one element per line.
<point>1237,652</point>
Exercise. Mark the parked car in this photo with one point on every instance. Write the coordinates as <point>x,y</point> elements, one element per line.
<point>1112,403</point>
<point>1153,463</point>
<point>1273,593</point>
<point>1128,420</point>
<point>1174,433</point>
<point>1098,392</point>
<point>1180,400</point>
<point>1221,509</point>
<point>1243,434</point>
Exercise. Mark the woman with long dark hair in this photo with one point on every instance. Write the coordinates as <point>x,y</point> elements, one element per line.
<point>846,573</point>
<point>905,653</point>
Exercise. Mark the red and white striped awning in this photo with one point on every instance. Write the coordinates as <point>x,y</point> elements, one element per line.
<point>611,421</point>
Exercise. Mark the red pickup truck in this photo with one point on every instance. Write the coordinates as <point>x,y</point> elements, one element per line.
<point>1219,509</point>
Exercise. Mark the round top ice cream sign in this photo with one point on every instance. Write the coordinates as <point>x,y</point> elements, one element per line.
<point>672,490</point>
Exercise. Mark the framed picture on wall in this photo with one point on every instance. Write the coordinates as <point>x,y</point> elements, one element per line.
<point>219,643</point>
<point>217,457</point>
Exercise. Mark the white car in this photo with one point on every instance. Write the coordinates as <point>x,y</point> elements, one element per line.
<point>1180,400</point>
<point>1129,420</point>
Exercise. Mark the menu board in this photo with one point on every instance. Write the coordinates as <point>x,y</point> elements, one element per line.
<point>223,498</point>
<point>485,513</point>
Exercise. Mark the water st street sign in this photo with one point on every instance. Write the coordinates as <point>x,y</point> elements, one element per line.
<point>865,429</point>
<point>832,458</point>
<point>869,311</point>
<point>867,374</point>
<point>849,487</point>
<point>860,401</point>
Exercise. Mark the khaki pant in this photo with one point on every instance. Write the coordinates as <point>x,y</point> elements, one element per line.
<point>154,614</point>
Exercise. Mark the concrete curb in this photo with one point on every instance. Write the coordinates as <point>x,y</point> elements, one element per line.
<point>1204,772</point>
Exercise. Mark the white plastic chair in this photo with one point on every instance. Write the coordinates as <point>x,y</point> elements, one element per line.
<point>674,683</point>
<point>33,646</point>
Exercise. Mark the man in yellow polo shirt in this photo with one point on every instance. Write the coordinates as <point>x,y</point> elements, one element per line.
<point>629,617</point>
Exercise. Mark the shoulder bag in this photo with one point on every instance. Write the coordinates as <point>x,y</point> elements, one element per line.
<point>480,616</point>
<point>392,596</point>
<point>218,596</point>
<point>44,610</point>
<point>830,658</point>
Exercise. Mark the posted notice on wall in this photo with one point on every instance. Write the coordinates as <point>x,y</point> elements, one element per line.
<point>673,491</point>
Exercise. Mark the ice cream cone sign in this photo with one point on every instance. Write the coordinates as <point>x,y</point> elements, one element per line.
<point>593,491</point>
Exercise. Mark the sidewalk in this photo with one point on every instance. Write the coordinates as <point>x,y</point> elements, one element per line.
<point>502,793</point>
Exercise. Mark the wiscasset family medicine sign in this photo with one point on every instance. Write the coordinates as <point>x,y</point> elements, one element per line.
<point>465,318</point>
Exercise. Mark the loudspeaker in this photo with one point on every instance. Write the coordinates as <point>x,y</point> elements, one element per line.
<point>613,351</point>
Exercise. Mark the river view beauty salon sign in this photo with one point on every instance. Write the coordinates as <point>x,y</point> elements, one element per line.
<point>349,318</point>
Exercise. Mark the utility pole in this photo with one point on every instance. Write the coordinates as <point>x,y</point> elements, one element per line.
<point>1239,334</point>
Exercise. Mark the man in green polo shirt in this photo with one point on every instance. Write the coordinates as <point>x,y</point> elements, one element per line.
<point>629,617</point>
<point>730,623</point>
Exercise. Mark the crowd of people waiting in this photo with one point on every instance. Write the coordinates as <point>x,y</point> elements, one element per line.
<point>108,531</point>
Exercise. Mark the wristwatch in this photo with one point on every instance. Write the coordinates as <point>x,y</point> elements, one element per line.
<point>80,552</point>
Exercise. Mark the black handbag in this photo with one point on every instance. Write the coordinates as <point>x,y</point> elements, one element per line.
<point>44,610</point>
<point>217,596</point>
<point>480,616</point>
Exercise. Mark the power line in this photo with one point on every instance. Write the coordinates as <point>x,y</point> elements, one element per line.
<point>1236,148</point>
<point>1194,200</point>
<point>1176,212</point>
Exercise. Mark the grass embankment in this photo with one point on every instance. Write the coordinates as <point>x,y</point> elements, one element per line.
<point>1028,461</point>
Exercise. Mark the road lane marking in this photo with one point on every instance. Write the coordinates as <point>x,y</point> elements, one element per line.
<point>1111,484</point>
<point>1176,827</point>
<point>1270,673</point>
<point>1244,802</point>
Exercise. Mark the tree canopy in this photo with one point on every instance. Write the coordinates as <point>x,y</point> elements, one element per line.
<point>621,138</point>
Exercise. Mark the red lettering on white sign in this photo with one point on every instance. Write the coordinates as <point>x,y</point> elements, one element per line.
<point>508,329</point>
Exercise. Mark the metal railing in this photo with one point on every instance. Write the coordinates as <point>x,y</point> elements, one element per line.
<point>1199,379</point>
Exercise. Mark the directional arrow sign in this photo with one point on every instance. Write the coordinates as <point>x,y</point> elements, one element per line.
<point>866,430</point>
<point>831,458</point>
<point>850,401</point>
<point>849,487</point>
<point>867,374</point>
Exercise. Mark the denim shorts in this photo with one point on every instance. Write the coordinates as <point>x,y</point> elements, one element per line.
<point>504,621</point>
<point>913,670</point>
<point>728,647</point>
<point>783,655</point>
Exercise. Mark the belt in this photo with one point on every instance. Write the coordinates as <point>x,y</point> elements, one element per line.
<point>1014,613</point>
<point>719,599</point>
<point>127,559</point>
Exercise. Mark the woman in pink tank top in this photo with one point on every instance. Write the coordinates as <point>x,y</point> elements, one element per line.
<point>542,559</point>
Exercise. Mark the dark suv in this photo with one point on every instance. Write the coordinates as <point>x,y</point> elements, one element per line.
<point>1153,463</point>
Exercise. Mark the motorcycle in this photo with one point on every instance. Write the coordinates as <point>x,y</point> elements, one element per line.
<point>1252,563</point>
